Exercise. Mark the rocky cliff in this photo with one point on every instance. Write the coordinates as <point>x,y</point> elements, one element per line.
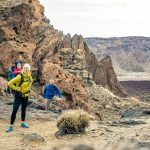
<point>128,53</point>
<point>26,34</point>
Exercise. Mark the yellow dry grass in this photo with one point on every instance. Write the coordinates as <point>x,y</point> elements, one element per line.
<point>73,121</point>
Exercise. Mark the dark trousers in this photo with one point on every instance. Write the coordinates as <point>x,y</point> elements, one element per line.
<point>23,101</point>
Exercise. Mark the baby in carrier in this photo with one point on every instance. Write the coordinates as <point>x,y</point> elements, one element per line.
<point>17,69</point>
<point>13,72</point>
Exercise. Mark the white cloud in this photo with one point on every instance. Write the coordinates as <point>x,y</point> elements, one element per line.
<point>103,18</point>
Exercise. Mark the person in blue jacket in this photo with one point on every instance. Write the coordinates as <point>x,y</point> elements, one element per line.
<point>50,92</point>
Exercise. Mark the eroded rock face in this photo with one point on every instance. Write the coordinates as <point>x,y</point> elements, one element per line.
<point>25,34</point>
<point>3,86</point>
<point>11,51</point>
<point>23,22</point>
<point>80,61</point>
<point>103,73</point>
<point>3,83</point>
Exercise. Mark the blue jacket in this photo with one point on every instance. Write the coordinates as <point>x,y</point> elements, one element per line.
<point>50,91</point>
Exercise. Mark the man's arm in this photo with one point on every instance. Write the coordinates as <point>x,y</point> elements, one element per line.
<point>58,91</point>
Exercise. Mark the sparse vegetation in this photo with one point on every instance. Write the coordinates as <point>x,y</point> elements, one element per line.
<point>73,122</point>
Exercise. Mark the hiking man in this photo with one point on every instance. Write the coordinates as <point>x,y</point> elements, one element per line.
<point>50,92</point>
<point>21,95</point>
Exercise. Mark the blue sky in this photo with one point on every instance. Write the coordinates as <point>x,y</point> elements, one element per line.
<point>100,18</point>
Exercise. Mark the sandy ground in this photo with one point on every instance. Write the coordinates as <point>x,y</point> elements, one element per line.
<point>125,130</point>
<point>134,76</point>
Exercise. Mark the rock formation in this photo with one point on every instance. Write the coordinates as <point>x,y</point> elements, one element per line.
<point>3,86</point>
<point>25,34</point>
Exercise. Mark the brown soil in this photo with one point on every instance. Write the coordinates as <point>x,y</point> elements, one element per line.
<point>124,130</point>
<point>139,89</point>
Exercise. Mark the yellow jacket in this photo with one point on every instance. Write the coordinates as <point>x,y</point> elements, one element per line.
<point>25,86</point>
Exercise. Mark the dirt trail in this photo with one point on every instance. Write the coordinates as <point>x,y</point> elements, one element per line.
<point>126,130</point>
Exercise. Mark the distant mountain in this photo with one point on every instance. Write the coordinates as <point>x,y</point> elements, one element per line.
<point>127,53</point>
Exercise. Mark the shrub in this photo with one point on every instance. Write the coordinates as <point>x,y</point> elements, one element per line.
<point>73,122</point>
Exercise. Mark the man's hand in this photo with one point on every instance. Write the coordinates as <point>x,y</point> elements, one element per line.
<point>59,99</point>
<point>41,99</point>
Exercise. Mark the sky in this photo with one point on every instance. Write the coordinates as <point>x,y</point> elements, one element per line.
<point>99,18</point>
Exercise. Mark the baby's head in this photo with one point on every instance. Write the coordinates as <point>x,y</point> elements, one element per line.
<point>18,64</point>
<point>51,81</point>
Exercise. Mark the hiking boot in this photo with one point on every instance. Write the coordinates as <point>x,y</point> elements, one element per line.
<point>10,129</point>
<point>24,125</point>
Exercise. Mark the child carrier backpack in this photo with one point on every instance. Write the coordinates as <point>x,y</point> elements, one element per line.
<point>11,75</point>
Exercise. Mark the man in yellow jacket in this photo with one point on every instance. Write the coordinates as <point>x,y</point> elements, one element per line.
<point>21,84</point>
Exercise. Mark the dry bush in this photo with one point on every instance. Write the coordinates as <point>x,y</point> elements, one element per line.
<point>73,122</point>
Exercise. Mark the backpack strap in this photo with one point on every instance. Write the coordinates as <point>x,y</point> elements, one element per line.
<point>12,68</point>
<point>22,79</point>
<point>11,74</point>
